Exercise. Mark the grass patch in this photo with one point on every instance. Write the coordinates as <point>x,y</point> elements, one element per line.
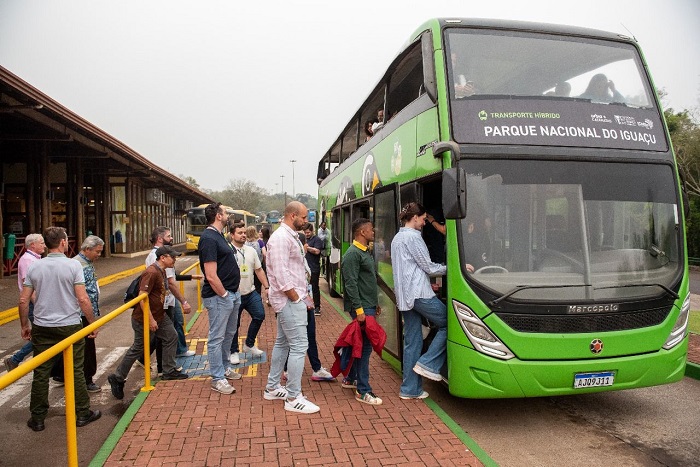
<point>694,322</point>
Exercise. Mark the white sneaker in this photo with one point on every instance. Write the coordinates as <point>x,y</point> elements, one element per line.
<point>368,398</point>
<point>322,375</point>
<point>222,386</point>
<point>254,350</point>
<point>232,375</point>
<point>280,393</point>
<point>189,353</point>
<point>422,395</point>
<point>427,373</point>
<point>301,405</point>
<point>235,359</point>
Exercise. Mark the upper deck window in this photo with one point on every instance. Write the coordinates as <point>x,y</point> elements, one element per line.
<point>525,88</point>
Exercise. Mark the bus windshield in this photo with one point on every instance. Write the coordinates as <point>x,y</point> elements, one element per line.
<point>527,88</point>
<point>571,230</point>
<point>198,221</point>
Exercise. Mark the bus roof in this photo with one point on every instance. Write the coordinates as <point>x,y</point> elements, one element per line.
<point>514,25</point>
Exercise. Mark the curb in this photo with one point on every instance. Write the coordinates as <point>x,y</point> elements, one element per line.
<point>692,370</point>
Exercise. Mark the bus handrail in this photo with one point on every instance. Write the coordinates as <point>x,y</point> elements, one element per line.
<point>66,346</point>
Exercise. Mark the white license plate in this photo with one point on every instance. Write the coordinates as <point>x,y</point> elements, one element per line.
<point>593,380</point>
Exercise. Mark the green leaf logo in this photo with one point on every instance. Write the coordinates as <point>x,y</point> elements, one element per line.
<point>483,115</point>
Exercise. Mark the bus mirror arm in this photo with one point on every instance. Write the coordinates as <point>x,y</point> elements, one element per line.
<point>444,146</point>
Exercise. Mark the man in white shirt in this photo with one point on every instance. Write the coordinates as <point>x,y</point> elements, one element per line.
<point>249,264</point>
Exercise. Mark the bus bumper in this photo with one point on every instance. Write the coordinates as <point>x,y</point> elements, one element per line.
<point>474,375</point>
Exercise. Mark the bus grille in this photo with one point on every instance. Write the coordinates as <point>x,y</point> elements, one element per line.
<point>584,323</point>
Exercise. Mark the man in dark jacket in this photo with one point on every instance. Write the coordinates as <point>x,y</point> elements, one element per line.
<point>360,300</point>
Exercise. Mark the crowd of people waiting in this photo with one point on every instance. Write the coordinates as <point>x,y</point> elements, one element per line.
<point>242,270</point>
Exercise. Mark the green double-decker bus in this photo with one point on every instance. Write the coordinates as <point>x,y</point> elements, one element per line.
<point>544,152</point>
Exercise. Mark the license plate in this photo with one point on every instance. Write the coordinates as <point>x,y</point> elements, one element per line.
<point>593,380</point>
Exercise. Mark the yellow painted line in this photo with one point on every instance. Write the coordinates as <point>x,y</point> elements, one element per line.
<point>13,313</point>
<point>120,275</point>
<point>251,370</point>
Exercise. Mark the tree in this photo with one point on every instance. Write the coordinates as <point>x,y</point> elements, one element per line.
<point>685,135</point>
<point>189,180</point>
<point>242,194</point>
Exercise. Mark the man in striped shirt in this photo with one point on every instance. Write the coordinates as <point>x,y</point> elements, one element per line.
<point>287,277</point>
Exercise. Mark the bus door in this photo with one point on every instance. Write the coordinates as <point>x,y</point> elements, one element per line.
<point>385,211</point>
<point>339,242</point>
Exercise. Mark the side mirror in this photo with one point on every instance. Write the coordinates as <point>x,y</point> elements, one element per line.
<point>428,53</point>
<point>454,193</point>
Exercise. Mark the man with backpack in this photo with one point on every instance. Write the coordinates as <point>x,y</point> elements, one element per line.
<point>154,283</point>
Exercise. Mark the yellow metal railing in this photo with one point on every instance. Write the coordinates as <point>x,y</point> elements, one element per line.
<point>66,346</point>
<point>199,284</point>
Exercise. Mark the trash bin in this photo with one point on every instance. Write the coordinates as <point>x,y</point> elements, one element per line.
<point>8,252</point>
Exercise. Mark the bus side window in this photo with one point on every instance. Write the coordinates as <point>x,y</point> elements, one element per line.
<point>406,81</point>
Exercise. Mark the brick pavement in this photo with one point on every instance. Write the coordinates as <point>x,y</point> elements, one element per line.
<point>186,423</point>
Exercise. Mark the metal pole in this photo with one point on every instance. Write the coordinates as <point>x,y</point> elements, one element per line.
<point>284,193</point>
<point>294,193</point>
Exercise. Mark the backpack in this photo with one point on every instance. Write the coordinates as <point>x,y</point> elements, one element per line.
<point>133,290</point>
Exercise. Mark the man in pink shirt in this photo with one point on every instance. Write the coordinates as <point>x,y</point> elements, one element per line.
<point>287,277</point>
<point>35,247</point>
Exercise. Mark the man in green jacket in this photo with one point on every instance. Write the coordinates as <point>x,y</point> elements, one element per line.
<point>360,300</point>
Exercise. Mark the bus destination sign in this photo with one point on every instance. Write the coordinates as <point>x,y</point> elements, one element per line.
<point>557,123</point>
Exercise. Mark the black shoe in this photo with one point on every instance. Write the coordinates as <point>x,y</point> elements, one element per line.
<point>117,387</point>
<point>92,387</point>
<point>174,375</point>
<point>317,312</point>
<point>91,417</point>
<point>36,425</point>
<point>58,381</point>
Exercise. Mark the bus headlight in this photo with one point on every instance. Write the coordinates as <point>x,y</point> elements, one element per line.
<point>679,329</point>
<point>479,334</point>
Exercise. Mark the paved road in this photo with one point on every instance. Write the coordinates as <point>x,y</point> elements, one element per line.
<point>695,282</point>
<point>648,427</point>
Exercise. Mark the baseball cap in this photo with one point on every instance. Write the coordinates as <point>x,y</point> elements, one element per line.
<point>167,250</point>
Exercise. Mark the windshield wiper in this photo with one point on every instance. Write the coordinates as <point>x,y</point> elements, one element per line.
<point>525,287</point>
<point>653,284</point>
<point>518,288</point>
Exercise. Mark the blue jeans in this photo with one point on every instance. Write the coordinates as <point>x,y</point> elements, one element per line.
<point>434,358</point>
<point>360,368</point>
<point>223,319</point>
<point>179,322</point>
<point>253,303</point>
<point>291,341</point>
<point>312,351</point>
<point>26,349</point>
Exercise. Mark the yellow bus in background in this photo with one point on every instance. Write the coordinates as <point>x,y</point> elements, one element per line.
<point>198,222</point>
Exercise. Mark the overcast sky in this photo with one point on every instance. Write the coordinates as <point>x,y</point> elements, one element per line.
<point>219,90</point>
